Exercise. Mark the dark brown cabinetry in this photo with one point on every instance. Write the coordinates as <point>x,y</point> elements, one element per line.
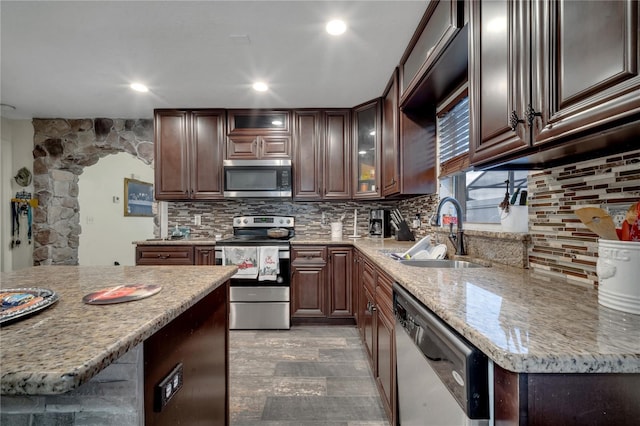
<point>307,154</point>
<point>255,134</point>
<point>243,147</point>
<point>376,325</point>
<point>339,283</point>
<point>175,255</point>
<point>440,24</point>
<point>164,255</point>
<point>390,139</point>
<point>337,155</point>
<point>565,399</point>
<point>188,154</point>
<point>322,154</point>
<point>308,282</point>
<point>198,339</point>
<point>552,80</point>
<point>321,286</point>
<point>204,255</point>
<point>366,150</point>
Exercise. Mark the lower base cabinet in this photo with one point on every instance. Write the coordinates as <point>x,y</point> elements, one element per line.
<point>321,284</point>
<point>377,329</point>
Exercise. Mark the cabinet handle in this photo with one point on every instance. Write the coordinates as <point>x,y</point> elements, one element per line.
<point>514,120</point>
<point>532,114</point>
<point>164,256</point>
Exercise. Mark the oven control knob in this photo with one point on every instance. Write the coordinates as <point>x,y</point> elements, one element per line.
<point>245,221</point>
<point>281,221</point>
<point>288,221</point>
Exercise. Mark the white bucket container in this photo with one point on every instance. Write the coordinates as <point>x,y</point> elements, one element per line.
<point>516,219</point>
<point>618,270</point>
<point>336,230</point>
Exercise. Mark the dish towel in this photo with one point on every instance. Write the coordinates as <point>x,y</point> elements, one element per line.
<point>245,258</point>
<point>269,267</point>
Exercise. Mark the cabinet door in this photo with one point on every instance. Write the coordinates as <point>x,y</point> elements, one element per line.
<point>164,255</point>
<point>367,318</point>
<point>586,73</point>
<point>498,78</point>
<point>206,154</point>
<point>204,255</point>
<point>386,360</point>
<point>242,147</point>
<point>337,159</point>
<point>390,138</point>
<point>274,146</point>
<point>308,291</point>
<point>366,150</point>
<point>385,338</point>
<point>307,142</point>
<point>171,155</point>
<point>340,264</point>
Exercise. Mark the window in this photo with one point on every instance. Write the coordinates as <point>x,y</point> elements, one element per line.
<point>479,192</point>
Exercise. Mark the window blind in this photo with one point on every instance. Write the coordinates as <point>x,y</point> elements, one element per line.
<point>453,138</point>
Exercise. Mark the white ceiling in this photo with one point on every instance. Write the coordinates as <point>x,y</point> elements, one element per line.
<point>63,59</point>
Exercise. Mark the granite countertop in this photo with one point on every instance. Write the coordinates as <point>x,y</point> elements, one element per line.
<point>63,346</point>
<point>524,322</point>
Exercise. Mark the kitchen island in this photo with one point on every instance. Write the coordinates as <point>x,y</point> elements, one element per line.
<point>78,362</point>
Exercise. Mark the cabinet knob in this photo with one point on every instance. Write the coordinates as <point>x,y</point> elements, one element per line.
<point>514,120</point>
<point>164,256</point>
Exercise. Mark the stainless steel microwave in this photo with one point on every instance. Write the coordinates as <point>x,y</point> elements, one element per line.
<point>257,178</point>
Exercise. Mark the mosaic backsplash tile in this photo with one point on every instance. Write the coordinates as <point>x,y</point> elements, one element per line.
<point>561,244</point>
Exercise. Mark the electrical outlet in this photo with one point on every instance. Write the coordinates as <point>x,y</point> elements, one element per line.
<point>167,388</point>
<point>197,219</point>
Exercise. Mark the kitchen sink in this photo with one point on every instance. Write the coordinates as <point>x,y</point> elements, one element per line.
<point>439,263</point>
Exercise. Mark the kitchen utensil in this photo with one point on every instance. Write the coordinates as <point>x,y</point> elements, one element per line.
<point>598,221</point>
<point>277,233</point>
<point>523,198</point>
<point>504,205</point>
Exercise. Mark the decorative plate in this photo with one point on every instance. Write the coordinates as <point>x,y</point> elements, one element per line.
<point>121,293</point>
<point>18,303</point>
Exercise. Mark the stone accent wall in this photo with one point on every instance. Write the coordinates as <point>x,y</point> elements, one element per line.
<point>113,397</point>
<point>62,149</point>
<point>561,244</point>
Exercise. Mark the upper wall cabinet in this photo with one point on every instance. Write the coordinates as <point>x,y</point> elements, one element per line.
<point>439,26</point>
<point>188,154</point>
<point>390,138</point>
<point>577,97</point>
<point>322,154</point>
<point>255,134</point>
<point>366,150</point>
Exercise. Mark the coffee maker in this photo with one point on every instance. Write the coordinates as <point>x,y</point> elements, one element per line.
<point>379,223</point>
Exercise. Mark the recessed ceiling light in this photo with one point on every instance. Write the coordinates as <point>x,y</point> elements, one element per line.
<point>139,87</point>
<point>277,122</point>
<point>362,152</point>
<point>336,27</point>
<point>372,133</point>
<point>259,86</point>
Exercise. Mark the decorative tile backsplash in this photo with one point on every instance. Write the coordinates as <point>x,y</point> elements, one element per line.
<point>561,244</point>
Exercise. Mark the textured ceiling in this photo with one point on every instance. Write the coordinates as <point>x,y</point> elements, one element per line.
<point>76,59</point>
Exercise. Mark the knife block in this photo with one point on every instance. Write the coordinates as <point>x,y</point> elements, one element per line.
<point>404,233</point>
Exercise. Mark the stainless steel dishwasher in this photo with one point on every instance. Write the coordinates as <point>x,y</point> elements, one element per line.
<point>442,378</point>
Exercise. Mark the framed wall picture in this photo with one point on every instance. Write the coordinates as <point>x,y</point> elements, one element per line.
<point>138,198</point>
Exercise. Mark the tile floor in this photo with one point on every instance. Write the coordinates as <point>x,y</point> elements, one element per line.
<point>306,376</point>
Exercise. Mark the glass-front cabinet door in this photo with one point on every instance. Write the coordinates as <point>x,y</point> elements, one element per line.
<point>366,153</point>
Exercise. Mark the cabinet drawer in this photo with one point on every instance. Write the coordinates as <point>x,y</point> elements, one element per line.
<point>306,255</point>
<point>164,255</point>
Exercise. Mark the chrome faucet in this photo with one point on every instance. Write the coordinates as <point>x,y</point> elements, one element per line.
<point>456,239</point>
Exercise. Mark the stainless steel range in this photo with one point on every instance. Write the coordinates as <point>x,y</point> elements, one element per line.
<point>260,290</point>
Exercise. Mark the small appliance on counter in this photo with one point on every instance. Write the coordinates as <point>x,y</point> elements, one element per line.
<point>379,223</point>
